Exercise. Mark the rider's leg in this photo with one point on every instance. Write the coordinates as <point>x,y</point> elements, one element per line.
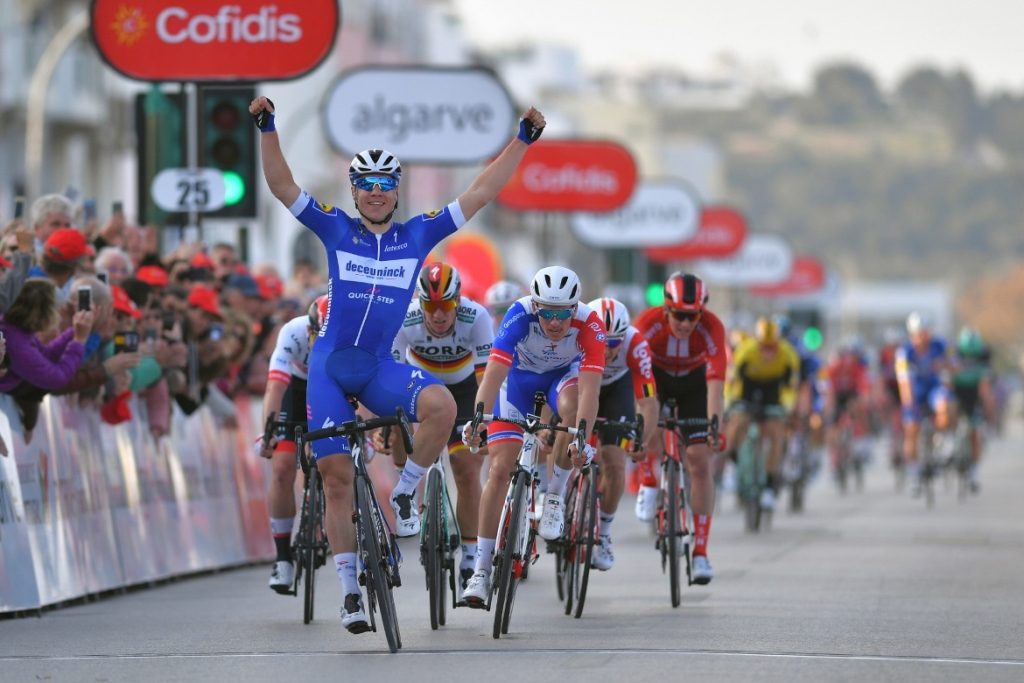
<point>702,493</point>
<point>466,472</point>
<point>281,500</point>
<point>492,497</point>
<point>567,403</point>
<point>774,431</point>
<point>337,474</point>
<point>435,410</point>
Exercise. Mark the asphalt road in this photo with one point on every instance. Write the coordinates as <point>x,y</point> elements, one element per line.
<point>870,586</point>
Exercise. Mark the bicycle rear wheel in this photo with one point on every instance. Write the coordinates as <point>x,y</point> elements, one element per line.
<point>512,551</point>
<point>314,517</point>
<point>672,530</point>
<point>432,549</point>
<point>583,537</point>
<point>376,552</point>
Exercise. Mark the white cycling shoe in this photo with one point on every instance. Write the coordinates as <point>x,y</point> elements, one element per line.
<point>407,515</point>
<point>282,577</point>
<point>702,571</point>
<point>767,499</point>
<point>478,588</point>
<point>353,616</point>
<point>603,558</point>
<point>552,522</point>
<point>646,503</point>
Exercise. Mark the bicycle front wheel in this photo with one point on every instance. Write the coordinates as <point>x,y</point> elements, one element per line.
<point>566,554</point>
<point>584,537</point>
<point>310,538</point>
<point>672,530</point>
<point>513,554</point>
<point>433,549</point>
<point>376,552</point>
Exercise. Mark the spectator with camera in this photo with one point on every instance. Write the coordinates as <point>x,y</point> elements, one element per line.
<point>35,369</point>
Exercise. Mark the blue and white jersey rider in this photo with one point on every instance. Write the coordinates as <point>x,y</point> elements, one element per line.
<point>372,278</point>
<point>540,364</point>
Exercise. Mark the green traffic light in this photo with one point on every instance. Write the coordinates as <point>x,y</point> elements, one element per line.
<point>655,294</point>
<point>813,338</point>
<point>234,188</point>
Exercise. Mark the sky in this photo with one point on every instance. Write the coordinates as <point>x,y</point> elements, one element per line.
<point>889,37</point>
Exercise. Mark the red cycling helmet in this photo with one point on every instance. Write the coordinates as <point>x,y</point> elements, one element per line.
<point>685,292</point>
<point>317,313</point>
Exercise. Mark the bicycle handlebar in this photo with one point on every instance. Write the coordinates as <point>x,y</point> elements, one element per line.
<point>634,430</point>
<point>271,424</point>
<point>353,427</point>
<point>692,423</point>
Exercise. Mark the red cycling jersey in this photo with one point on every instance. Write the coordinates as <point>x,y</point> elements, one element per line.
<point>705,345</point>
<point>846,375</point>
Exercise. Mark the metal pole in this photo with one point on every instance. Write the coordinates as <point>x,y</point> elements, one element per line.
<point>35,110</point>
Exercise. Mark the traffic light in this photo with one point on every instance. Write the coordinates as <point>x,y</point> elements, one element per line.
<point>809,320</point>
<point>655,294</point>
<point>227,141</point>
<point>160,135</point>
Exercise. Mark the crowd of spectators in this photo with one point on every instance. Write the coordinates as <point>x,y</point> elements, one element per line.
<point>97,312</point>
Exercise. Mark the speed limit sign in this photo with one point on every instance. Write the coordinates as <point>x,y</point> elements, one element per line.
<point>184,189</point>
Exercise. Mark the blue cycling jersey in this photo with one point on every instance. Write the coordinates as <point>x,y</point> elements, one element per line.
<point>372,277</point>
<point>922,369</point>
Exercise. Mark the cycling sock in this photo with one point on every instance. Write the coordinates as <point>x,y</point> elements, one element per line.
<point>345,564</point>
<point>647,475</point>
<point>411,475</point>
<point>484,554</point>
<point>606,523</point>
<point>558,481</point>
<point>281,529</point>
<point>701,529</point>
<point>468,553</point>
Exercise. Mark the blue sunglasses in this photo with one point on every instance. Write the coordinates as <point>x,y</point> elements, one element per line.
<point>366,182</point>
<point>552,314</point>
<point>614,342</point>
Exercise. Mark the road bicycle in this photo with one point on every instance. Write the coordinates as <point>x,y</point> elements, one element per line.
<point>309,546</point>
<point>439,542</point>
<point>673,518</point>
<point>574,551</point>
<point>516,543</point>
<point>376,547</point>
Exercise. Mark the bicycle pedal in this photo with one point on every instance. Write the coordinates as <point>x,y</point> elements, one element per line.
<point>362,578</point>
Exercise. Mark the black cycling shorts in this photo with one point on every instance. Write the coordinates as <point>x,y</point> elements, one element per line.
<point>293,409</point>
<point>464,393</point>
<point>616,403</point>
<point>690,392</point>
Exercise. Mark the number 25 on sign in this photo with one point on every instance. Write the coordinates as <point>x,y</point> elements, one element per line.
<point>183,189</point>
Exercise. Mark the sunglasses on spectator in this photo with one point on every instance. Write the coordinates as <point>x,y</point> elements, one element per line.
<point>683,315</point>
<point>550,314</point>
<point>614,342</point>
<point>385,182</point>
<point>446,306</point>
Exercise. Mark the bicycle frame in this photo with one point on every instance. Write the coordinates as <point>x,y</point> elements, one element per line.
<point>439,538</point>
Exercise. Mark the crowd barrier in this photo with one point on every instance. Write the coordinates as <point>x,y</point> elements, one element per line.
<point>86,507</point>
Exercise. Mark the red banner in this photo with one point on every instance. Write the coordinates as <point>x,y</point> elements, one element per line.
<point>572,175</point>
<point>806,277</point>
<point>721,233</point>
<point>240,40</point>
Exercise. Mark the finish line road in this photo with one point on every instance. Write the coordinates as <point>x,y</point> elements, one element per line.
<point>867,586</point>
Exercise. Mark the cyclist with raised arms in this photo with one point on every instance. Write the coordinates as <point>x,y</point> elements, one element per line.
<point>451,336</point>
<point>547,342</point>
<point>688,346</point>
<point>286,398</point>
<point>373,262</point>
<point>627,388</point>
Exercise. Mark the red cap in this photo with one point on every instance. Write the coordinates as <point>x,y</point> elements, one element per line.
<point>4,263</point>
<point>66,244</point>
<point>123,303</point>
<point>201,260</point>
<point>153,275</point>
<point>205,299</point>
<point>271,287</point>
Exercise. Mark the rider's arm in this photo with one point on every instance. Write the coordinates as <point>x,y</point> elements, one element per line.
<point>648,409</point>
<point>589,391</point>
<point>275,168</point>
<point>903,378</point>
<point>490,182</point>
<point>494,375</point>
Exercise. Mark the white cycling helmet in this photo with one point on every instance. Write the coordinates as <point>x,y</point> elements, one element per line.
<point>613,314</point>
<point>371,161</point>
<point>918,323</point>
<point>555,286</point>
<point>502,293</point>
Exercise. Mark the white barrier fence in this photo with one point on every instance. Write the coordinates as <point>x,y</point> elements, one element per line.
<point>86,507</point>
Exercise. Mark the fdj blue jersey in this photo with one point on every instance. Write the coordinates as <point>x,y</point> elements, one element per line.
<point>372,278</point>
